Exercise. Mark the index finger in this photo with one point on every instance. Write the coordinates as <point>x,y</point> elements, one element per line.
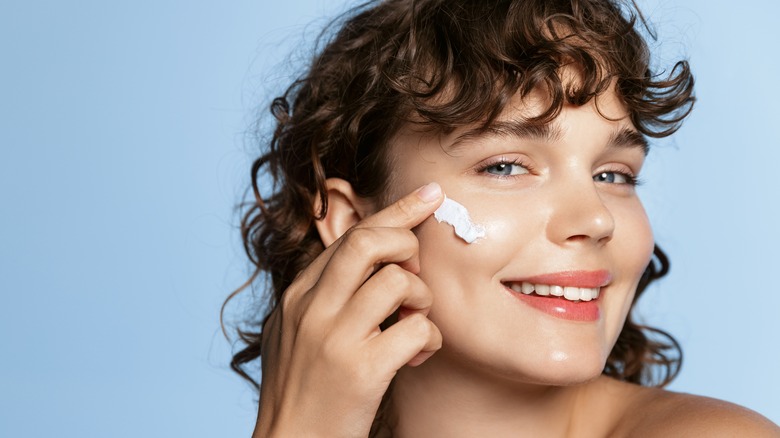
<point>409,211</point>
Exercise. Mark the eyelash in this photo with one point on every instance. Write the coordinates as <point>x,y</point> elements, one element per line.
<point>503,161</point>
<point>631,179</point>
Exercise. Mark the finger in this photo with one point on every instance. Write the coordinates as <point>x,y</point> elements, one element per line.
<point>360,254</point>
<point>357,253</point>
<point>363,251</point>
<point>383,293</point>
<point>409,341</point>
<point>409,211</point>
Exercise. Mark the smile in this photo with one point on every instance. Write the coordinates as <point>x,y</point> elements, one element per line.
<point>571,293</point>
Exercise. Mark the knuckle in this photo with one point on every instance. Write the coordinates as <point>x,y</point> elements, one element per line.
<point>409,238</point>
<point>360,241</point>
<point>396,276</point>
<point>289,307</point>
<point>287,301</point>
<point>419,323</point>
<point>413,243</point>
<point>423,295</point>
<point>299,276</point>
<point>436,335</point>
<point>405,207</point>
<point>428,329</point>
<point>406,242</point>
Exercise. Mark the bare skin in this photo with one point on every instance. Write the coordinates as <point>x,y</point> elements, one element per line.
<point>297,396</point>
<point>324,338</point>
<point>670,414</point>
<point>606,407</point>
<point>466,357</point>
<point>509,370</point>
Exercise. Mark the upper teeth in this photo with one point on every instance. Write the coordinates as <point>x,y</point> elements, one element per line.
<point>571,293</point>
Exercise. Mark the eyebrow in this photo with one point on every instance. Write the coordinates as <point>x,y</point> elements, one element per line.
<point>627,137</point>
<point>513,128</point>
<point>621,138</point>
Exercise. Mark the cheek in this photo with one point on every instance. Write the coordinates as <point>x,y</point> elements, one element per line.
<point>464,278</point>
<point>504,235</point>
<point>631,250</point>
<point>633,238</point>
<point>469,304</point>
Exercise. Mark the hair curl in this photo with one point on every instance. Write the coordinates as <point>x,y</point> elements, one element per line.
<point>444,64</point>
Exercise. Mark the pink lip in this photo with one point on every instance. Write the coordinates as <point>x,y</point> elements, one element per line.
<point>585,311</point>
<point>585,279</point>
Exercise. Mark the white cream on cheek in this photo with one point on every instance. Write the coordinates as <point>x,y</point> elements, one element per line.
<point>455,214</point>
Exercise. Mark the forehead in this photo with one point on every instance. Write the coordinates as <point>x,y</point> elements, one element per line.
<point>518,121</point>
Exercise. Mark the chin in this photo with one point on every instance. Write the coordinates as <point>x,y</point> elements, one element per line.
<point>536,365</point>
<point>556,372</point>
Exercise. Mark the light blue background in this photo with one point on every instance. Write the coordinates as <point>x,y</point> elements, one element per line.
<point>123,151</point>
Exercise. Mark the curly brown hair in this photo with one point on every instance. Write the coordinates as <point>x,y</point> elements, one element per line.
<point>443,64</point>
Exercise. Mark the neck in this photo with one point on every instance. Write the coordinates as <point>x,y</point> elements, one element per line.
<point>442,399</point>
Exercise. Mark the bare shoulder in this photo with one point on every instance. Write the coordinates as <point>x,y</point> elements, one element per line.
<point>653,412</point>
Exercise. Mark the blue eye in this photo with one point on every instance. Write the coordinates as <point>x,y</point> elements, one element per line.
<point>614,178</point>
<point>505,169</point>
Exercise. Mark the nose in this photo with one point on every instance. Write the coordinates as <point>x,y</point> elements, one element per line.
<point>579,214</point>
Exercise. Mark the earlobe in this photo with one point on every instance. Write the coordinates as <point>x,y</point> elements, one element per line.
<point>345,209</point>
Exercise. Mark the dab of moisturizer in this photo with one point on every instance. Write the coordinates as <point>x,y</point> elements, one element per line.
<point>456,215</point>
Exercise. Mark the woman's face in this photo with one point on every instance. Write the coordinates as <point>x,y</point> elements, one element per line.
<point>560,210</point>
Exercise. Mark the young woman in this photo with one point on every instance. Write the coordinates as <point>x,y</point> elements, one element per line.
<point>533,115</point>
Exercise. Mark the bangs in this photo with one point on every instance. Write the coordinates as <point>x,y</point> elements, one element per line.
<point>463,62</point>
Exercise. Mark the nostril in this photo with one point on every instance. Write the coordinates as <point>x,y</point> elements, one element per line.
<point>601,239</point>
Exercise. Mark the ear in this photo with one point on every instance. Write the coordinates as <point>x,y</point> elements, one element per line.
<point>345,209</point>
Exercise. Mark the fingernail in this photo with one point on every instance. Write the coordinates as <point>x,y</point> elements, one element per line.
<point>430,192</point>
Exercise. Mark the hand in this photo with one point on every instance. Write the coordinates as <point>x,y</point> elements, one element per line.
<point>326,364</point>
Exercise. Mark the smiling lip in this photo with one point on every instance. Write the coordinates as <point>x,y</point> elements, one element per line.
<point>598,278</point>
<point>586,311</point>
